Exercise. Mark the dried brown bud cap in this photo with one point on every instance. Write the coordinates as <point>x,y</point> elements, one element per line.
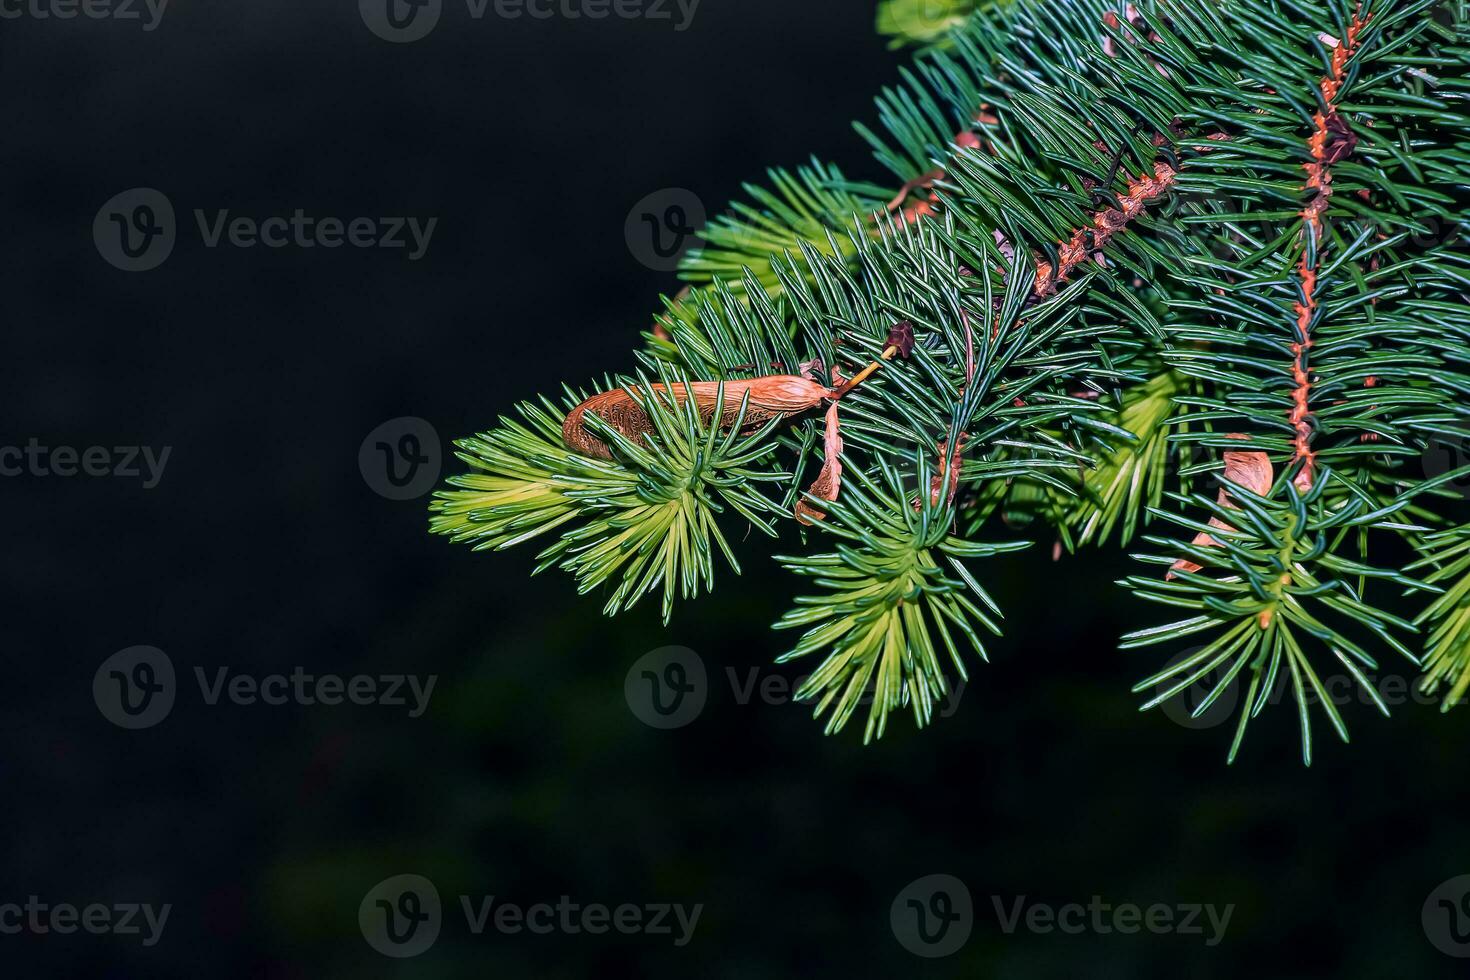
<point>901,335</point>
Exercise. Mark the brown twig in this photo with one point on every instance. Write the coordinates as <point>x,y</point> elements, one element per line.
<point>1331,141</point>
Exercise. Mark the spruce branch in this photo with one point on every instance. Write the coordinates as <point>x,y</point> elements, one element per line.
<point>886,594</point>
<point>649,509</point>
<point>1117,236</point>
<point>1447,662</point>
<point>1281,583</point>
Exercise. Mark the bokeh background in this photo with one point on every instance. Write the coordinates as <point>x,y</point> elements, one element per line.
<point>263,548</point>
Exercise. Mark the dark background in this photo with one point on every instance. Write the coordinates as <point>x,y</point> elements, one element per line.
<point>263,548</point>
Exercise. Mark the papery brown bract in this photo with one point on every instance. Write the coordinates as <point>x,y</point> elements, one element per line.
<point>770,397</point>
<point>1251,470</point>
<point>828,483</point>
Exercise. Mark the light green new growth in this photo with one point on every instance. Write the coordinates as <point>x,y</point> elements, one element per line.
<point>1188,276</point>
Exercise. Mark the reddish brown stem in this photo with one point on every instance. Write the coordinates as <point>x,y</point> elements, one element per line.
<point>1331,141</point>
<point>1105,224</point>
